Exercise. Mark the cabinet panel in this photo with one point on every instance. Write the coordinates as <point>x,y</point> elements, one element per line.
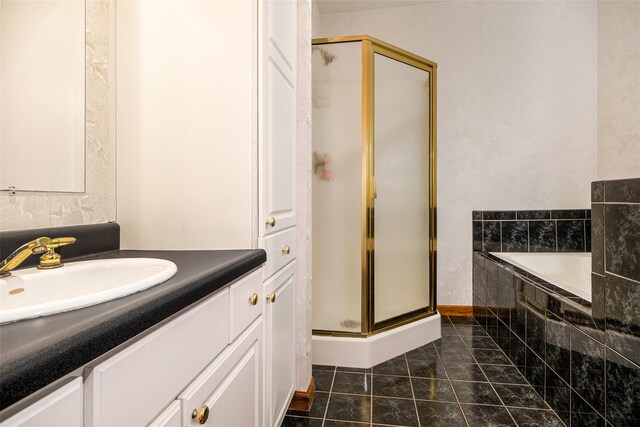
<point>131,387</point>
<point>170,417</point>
<point>280,359</point>
<point>281,250</point>
<point>277,115</point>
<point>278,149</point>
<point>61,408</point>
<point>283,30</point>
<point>231,387</point>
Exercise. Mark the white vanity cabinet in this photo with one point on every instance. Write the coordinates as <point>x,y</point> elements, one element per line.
<point>277,197</point>
<point>61,408</point>
<point>138,384</point>
<point>277,159</point>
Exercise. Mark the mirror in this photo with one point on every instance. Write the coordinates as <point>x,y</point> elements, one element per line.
<point>42,95</point>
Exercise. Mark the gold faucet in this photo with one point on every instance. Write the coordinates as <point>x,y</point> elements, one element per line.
<point>45,245</point>
<point>51,259</point>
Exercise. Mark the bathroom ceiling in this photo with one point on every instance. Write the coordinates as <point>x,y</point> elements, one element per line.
<point>337,6</point>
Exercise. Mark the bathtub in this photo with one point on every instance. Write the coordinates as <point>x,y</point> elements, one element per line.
<point>569,271</point>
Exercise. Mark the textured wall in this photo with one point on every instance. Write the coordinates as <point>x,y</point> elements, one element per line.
<point>303,257</point>
<point>516,108</point>
<point>43,209</point>
<point>618,89</point>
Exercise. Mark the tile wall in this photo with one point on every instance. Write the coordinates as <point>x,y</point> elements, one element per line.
<point>565,230</point>
<point>616,263</point>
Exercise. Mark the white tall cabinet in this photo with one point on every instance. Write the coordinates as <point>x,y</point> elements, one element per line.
<point>206,137</point>
<point>277,31</point>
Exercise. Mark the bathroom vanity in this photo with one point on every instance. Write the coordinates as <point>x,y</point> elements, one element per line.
<point>190,351</point>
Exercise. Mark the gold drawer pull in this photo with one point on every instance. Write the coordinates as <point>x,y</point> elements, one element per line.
<point>272,297</point>
<point>271,222</point>
<point>286,250</point>
<point>201,415</point>
<point>253,299</point>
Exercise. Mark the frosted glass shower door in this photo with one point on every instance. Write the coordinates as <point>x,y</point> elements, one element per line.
<point>401,205</point>
<point>336,187</point>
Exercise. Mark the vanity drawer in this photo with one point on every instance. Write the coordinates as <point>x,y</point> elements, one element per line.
<point>133,386</point>
<point>247,303</point>
<point>230,388</point>
<point>280,248</point>
<point>61,408</point>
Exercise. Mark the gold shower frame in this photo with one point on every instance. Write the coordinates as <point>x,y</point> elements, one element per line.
<point>371,46</point>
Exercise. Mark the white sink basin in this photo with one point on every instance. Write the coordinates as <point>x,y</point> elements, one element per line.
<point>32,293</point>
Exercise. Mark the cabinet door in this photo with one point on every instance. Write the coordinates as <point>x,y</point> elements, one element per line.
<point>280,343</point>
<point>230,387</point>
<point>62,408</point>
<point>277,115</point>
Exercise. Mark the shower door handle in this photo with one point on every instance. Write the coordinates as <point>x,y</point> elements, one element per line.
<point>374,192</point>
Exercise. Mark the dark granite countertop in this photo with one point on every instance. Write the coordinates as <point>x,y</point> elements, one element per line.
<point>37,352</point>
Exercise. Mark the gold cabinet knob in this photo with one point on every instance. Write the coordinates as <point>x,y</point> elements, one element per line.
<point>201,415</point>
<point>271,222</point>
<point>271,297</point>
<point>286,250</point>
<point>253,299</point>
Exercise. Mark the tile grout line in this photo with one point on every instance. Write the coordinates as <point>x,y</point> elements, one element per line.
<point>413,394</point>
<point>464,416</point>
<point>528,383</point>
<point>628,279</point>
<point>489,382</point>
<point>371,398</point>
<point>326,409</point>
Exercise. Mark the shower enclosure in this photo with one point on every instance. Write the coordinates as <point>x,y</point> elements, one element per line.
<point>374,192</point>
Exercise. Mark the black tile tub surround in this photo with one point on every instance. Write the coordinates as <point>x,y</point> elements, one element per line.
<point>561,350</point>
<point>564,230</point>
<point>616,263</point>
<point>587,369</point>
<point>621,191</point>
<point>622,240</point>
<point>542,236</point>
<point>622,310</point>
<point>623,391</point>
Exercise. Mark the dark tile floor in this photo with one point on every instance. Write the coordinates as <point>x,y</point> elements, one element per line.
<point>463,379</point>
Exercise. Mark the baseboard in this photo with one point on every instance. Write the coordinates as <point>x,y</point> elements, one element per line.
<point>302,400</point>
<point>366,352</point>
<point>456,310</point>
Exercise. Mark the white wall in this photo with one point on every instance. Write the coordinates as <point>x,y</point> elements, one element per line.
<point>186,124</point>
<point>618,89</point>
<point>516,109</point>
